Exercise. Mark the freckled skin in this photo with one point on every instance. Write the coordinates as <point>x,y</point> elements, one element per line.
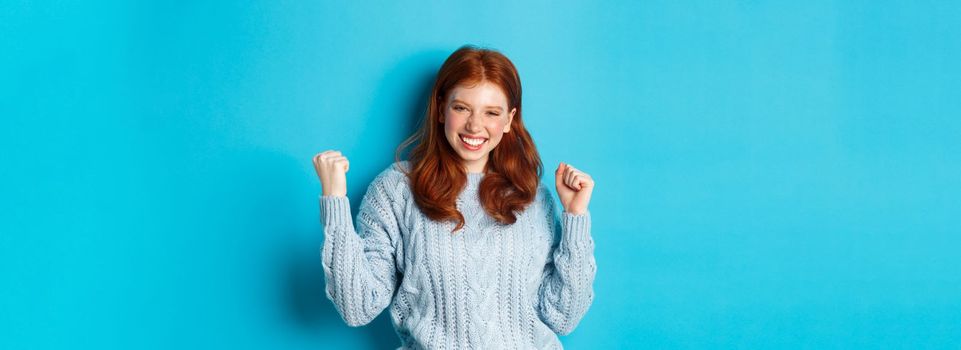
<point>478,111</point>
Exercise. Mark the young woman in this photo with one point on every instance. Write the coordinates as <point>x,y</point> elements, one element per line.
<point>462,240</point>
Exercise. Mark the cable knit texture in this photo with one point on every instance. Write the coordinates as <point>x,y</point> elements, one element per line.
<point>485,286</point>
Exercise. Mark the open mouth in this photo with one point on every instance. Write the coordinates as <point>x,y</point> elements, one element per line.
<point>472,143</point>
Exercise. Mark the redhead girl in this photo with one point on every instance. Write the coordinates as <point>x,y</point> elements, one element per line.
<point>462,241</point>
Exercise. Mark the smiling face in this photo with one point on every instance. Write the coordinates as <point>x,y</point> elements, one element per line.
<point>475,119</point>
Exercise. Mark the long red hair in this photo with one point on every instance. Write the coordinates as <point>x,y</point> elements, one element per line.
<point>436,174</point>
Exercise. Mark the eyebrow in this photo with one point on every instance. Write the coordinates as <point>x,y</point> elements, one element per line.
<point>495,107</point>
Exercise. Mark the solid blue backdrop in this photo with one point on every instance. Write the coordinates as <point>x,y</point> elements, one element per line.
<point>769,175</point>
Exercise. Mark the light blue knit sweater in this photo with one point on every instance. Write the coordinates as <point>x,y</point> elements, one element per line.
<point>486,286</point>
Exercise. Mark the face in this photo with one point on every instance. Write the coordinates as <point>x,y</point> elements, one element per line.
<point>475,120</point>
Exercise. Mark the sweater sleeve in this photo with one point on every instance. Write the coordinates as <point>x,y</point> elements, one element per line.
<point>566,290</point>
<point>359,266</point>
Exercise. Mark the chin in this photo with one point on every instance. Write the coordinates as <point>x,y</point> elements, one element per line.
<point>471,157</point>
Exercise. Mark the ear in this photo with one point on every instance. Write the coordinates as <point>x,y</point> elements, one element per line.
<point>510,119</point>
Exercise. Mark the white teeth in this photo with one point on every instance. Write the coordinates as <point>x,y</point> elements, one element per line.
<point>472,142</point>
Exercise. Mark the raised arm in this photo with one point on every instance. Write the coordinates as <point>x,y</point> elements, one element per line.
<point>567,287</point>
<point>359,266</point>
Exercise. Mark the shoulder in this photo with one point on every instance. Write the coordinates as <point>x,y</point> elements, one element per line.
<point>544,209</point>
<point>402,166</point>
<point>393,179</point>
<point>394,172</point>
<point>543,190</point>
<point>544,197</point>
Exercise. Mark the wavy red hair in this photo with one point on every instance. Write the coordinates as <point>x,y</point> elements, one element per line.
<point>436,174</point>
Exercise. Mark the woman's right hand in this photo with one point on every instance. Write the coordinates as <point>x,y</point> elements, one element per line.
<point>332,169</point>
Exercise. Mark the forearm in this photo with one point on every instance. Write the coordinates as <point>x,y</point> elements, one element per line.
<point>352,284</point>
<point>568,289</point>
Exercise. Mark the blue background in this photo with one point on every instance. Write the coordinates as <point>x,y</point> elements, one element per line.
<point>769,175</point>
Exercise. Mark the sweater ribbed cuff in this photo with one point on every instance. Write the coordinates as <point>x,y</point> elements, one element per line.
<point>335,211</point>
<point>577,228</point>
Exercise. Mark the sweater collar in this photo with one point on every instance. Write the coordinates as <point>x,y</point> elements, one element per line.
<point>474,178</point>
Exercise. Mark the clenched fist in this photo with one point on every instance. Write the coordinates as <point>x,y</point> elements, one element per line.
<point>574,188</point>
<point>332,169</point>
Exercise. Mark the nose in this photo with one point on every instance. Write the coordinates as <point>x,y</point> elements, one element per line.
<point>472,124</point>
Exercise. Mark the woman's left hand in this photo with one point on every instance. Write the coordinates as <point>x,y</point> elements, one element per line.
<point>574,188</point>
